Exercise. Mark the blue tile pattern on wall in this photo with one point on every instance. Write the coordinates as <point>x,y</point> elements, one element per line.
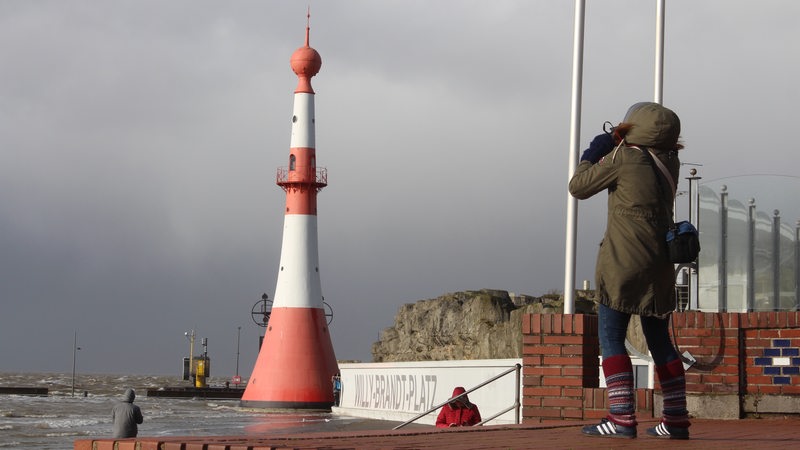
<point>780,361</point>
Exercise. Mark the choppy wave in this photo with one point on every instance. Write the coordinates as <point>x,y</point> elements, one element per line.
<point>55,421</point>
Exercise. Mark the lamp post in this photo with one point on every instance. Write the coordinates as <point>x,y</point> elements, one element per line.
<point>238,338</point>
<point>75,349</point>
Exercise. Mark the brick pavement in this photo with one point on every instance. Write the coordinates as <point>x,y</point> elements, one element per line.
<point>768,433</point>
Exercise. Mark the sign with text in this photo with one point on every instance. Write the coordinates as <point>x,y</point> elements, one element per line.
<point>402,390</point>
<point>399,392</point>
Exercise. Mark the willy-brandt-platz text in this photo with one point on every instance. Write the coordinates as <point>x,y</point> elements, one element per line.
<point>395,392</point>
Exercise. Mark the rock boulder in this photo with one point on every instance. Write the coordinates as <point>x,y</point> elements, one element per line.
<point>485,324</point>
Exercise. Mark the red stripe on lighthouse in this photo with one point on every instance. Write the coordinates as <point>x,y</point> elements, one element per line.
<point>301,182</point>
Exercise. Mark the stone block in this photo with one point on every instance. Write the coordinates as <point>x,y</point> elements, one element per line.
<point>771,404</point>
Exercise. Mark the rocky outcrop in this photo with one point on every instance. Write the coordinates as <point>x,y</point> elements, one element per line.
<point>485,324</point>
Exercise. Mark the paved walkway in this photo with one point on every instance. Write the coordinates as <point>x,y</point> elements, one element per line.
<point>770,433</point>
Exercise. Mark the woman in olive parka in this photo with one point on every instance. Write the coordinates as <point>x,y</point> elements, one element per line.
<point>634,274</point>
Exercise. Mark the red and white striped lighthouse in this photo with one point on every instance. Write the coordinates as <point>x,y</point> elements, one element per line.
<point>296,361</point>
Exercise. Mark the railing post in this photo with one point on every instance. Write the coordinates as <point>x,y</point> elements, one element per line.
<point>751,245</point>
<point>694,218</point>
<point>722,302</point>
<point>516,395</point>
<point>797,266</point>
<point>776,260</point>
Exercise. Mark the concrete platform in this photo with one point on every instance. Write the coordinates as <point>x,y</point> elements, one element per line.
<point>15,390</point>
<point>768,433</point>
<point>192,392</point>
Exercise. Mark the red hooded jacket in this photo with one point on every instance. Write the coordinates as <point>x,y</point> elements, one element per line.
<point>458,413</point>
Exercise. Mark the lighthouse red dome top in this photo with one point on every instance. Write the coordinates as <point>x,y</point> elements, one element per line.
<point>306,63</point>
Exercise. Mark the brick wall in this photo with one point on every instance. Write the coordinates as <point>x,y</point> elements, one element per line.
<point>561,370</point>
<point>713,340</point>
<point>753,356</point>
<point>750,362</point>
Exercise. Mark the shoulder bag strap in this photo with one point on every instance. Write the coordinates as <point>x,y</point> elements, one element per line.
<point>654,162</point>
<point>664,171</point>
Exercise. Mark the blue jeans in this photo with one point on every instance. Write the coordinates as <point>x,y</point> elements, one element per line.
<point>613,327</point>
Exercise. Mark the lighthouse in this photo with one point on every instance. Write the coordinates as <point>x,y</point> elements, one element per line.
<point>296,361</point>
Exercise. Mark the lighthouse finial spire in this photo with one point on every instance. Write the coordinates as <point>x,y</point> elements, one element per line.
<point>305,62</point>
<point>308,23</point>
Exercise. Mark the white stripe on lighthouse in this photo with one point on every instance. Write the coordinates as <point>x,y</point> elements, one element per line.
<point>298,283</point>
<point>303,129</point>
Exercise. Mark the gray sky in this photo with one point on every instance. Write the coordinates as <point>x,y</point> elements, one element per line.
<point>139,142</point>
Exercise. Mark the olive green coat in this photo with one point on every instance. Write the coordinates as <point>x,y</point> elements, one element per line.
<point>633,273</point>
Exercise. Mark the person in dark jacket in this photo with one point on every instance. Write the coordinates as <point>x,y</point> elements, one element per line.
<point>459,412</point>
<point>336,382</point>
<point>634,274</point>
<point>126,416</point>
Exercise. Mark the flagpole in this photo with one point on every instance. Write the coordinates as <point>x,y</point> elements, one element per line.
<point>658,95</point>
<point>574,140</point>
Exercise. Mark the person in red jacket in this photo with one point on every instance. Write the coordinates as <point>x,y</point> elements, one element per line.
<point>459,412</point>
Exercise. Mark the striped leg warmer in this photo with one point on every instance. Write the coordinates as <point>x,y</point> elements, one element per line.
<point>671,376</point>
<point>619,382</point>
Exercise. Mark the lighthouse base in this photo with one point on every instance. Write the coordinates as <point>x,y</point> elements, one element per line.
<point>296,363</point>
<point>305,406</point>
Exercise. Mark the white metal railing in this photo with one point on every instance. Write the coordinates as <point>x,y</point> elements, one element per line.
<point>516,369</point>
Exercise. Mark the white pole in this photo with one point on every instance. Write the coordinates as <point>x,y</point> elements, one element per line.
<point>190,336</point>
<point>574,140</point>
<point>238,338</point>
<point>74,351</point>
<point>658,96</point>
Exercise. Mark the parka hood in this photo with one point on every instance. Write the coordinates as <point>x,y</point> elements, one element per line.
<point>129,396</point>
<point>653,126</point>
<point>458,391</point>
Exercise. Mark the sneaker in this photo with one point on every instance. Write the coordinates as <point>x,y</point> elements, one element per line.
<point>666,431</point>
<point>607,428</point>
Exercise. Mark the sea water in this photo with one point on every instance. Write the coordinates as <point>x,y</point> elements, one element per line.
<point>55,421</point>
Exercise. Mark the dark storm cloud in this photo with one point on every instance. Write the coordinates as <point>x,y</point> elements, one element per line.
<point>139,142</point>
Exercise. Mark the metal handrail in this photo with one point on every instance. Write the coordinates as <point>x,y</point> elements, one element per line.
<point>517,367</point>
<point>318,174</point>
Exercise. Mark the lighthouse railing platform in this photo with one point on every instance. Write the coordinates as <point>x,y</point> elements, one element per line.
<point>311,176</point>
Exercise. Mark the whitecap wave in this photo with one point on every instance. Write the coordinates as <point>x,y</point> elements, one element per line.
<point>54,421</point>
<point>74,422</point>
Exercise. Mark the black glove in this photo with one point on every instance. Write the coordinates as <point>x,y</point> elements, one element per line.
<point>601,145</point>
